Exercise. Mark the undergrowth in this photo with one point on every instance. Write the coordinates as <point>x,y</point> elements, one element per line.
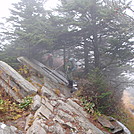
<point>89,107</point>
<point>11,110</point>
<point>95,89</point>
<point>98,98</point>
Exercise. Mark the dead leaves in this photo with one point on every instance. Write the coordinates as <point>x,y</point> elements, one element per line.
<point>57,92</point>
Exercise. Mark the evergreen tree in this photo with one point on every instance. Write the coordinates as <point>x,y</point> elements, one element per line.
<point>29,35</point>
<point>102,29</point>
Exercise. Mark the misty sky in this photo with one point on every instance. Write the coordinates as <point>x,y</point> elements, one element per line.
<point>6,4</point>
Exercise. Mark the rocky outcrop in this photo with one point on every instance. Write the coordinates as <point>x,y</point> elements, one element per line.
<point>52,79</point>
<point>43,70</point>
<point>14,84</point>
<point>60,116</point>
<point>113,125</point>
<point>54,111</point>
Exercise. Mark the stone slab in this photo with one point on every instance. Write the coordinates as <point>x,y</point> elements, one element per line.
<point>105,122</point>
<point>15,82</point>
<point>43,111</point>
<point>4,129</point>
<point>36,102</point>
<point>28,119</point>
<point>46,102</point>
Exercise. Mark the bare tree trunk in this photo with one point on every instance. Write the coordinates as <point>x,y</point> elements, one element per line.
<point>96,52</point>
<point>86,60</point>
<point>95,39</point>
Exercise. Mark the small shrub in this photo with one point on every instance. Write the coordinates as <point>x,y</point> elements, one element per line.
<point>25,103</point>
<point>24,71</point>
<point>99,92</point>
<point>2,106</point>
<point>87,104</point>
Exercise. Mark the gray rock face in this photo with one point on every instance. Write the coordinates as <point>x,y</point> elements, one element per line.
<point>54,112</point>
<point>57,75</point>
<point>61,118</point>
<point>57,114</point>
<point>76,106</point>
<point>36,128</point>
<point>52,79</point>
<point>14,84</point>
<point>28,120</point>
<point>36,102</point>
<point>4,129</point>
<point>47,92</point>
<point>43,111</point>
<point>39,67</point>
<point>88,126</point>
<point>106,123</point>
<point>115,126</point>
